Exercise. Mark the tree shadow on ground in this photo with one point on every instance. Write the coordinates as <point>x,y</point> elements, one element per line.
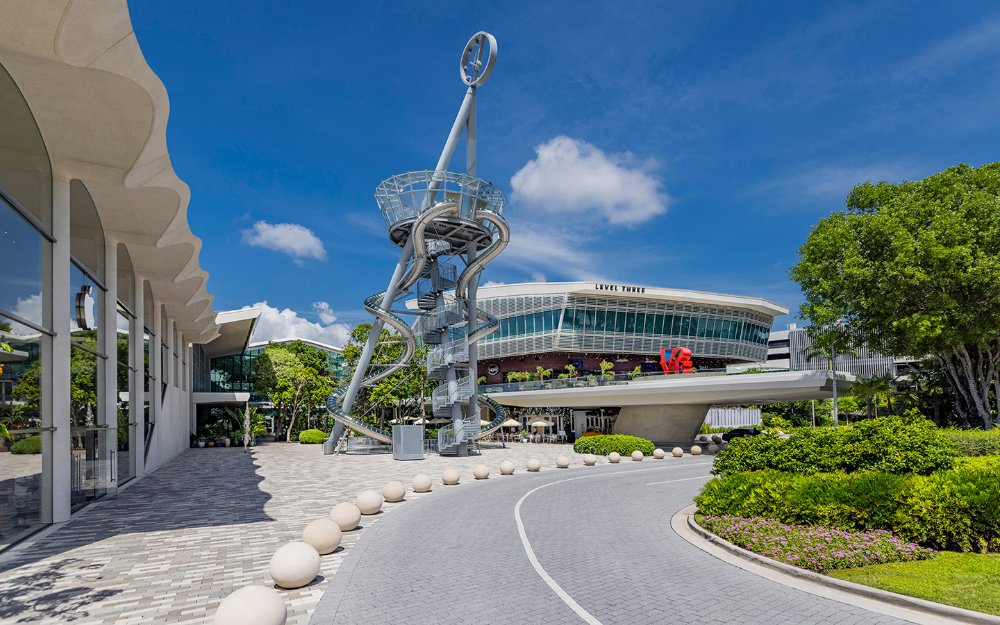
<point>34,597</point>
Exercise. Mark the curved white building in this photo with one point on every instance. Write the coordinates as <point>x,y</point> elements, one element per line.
<point>551,324</point>
<point>101,290</point>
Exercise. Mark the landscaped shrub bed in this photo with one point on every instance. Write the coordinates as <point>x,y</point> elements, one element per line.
<point>888,444</point>
<point>30,445</point>
<point>815,548</point>
<point>950,509</point>
<point>312,436</point>
<point>975,442</point>
<point>604,444</point>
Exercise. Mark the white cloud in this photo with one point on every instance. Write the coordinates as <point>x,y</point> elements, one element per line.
<point>29,308</point>
<point>572,176</point>
<point>554,249</point>
<point>277,324</point>
<point>834,182</point>
<point>297,241</point>
<point>537,277</point>
<point>982,40</point>
<point>325,312</point>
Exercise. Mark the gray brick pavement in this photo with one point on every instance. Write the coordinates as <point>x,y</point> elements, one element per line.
<point>176,542</point>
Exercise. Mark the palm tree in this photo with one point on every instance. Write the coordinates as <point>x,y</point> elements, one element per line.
<point>830,339</point>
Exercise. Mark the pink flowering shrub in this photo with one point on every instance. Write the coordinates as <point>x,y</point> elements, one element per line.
<point>815,548</point>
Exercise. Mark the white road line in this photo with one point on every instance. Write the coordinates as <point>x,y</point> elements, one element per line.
<point>556,588</point>
<point>700,477</point>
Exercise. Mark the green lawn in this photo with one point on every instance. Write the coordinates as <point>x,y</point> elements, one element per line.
<point>966,580</point>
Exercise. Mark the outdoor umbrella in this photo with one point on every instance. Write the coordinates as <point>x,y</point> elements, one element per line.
<point>541,423</point>
<point>483,422</point>
<point>512,423</point>
<point>439,421</point>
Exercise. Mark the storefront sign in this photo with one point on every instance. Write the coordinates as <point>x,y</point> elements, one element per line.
<point>620,288</point>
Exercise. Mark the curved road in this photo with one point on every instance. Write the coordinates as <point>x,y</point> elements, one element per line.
<point>589,545</point>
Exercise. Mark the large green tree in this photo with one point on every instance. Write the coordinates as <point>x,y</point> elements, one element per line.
<point>296,378</point>
<point>402,392</point>
<point>914,269</point>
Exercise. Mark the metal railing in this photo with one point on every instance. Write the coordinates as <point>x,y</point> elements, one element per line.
<point>608,380</point>
<point>406,195</point>
<point>450,393</point>
<point>445,355</point>
<point>440,318</point>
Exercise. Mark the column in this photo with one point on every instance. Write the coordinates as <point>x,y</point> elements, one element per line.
<point>137,392</point>
<point>56,458</point>
<point>108,333</point>
<point>155,389</point>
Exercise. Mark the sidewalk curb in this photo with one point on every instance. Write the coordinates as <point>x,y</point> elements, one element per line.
<point>961,615</point>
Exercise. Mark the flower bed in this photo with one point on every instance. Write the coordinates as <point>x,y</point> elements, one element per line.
<point>815,548</point>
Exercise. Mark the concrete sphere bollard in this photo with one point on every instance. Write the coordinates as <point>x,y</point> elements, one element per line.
<point>695,450</point>
<point>533,464</point>
<point>659,454</point>
<point>614,457</point>
<point>506,468</point>
<point>323,534</point>
<point>590,460</point>
<point>450,477</point>
<point>394,491</point>
<point>369,502</point>
<point>724,445</point>
<point>677,452</point>
<point>481,472</point>
<point>252,605</point>
<point>637,456</point>
<point>421,483</point>
<point>346,515</point>
<point>713,448</point>
<point>294,565</point>
<point>562,462</point>
<point>716,439</point>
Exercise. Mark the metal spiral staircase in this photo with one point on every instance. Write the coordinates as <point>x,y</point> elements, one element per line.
<point>439,218</point>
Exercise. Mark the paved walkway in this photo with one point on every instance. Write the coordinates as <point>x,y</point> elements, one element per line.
<point>595,546</point>
<point>175,543</point>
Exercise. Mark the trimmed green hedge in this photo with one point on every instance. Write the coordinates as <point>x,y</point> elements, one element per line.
<point>312,436</point>
<point>891,444</point>
<point>949,509</point>
<point>975,442</point>
<point>604,444</point>
<point>30,445</point>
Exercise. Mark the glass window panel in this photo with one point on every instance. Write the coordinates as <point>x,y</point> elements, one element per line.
<point>651,323</point>
<point>21,280</point>
<point>86,305</point>
<point>20,409</point>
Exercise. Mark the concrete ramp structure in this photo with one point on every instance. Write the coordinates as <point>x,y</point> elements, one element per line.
<point>671,409</point>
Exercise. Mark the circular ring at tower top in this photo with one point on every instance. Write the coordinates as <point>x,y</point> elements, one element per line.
<point>478,59</point>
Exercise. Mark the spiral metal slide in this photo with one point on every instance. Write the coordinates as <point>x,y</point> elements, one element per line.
<point>491,323</point>
<point>376,305</point>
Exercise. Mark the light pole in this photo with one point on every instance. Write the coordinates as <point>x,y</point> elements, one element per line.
<point>833,367</point>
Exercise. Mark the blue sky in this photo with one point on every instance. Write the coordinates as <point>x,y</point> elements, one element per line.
<point>688,145</point>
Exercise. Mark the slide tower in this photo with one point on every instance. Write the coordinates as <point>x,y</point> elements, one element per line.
<point>449,227</point>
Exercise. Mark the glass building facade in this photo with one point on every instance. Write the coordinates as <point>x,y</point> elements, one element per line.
<point>529,324</point>
<point>232,373</point>
<point>572,319</point>
<point>82,271</point>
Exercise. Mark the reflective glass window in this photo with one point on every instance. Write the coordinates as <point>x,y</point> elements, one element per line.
<point>20,411</point>
<point>21,247</point>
